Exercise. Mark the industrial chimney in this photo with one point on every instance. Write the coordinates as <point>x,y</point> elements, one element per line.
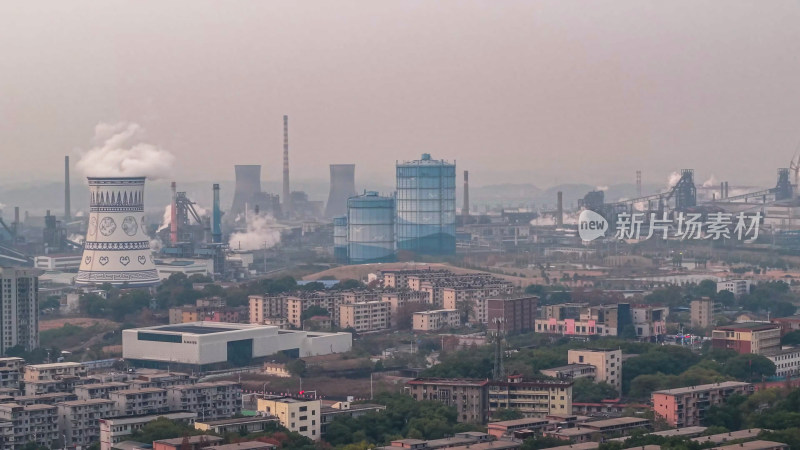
<point>559,209</point>
<point>465,208</point>
<point>216,218</point>
<point>117,248</point>
<point>343,186</point>
<point>67,206</point>
<point>173,221</point>
<point>248,187</point>
<point>287,194</point>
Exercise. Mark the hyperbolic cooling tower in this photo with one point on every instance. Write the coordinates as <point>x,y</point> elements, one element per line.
<point>117,249</point>
<point>343,186</point>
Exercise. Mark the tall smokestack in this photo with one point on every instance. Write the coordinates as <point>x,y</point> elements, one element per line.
<point>721,190</point>
<point>216,218</point>
<point>287,194</point>
<point>560,209</point>
<point>16,221</point>
<point>67,206</point>
<point>727,192</point>
<point>173,226</point>
<point>465,208</point>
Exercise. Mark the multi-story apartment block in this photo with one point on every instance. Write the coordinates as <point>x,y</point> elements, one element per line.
<point>53,371</point>
<point>737,287</point>
<point>11,372</point>
<point>296,304</point>
<point>98,390</point>
<point>512,315</point>
<point>300,415</point>
<point>470,397</point>
<point>702,312</point>
<point>162,380</point>
<point>436,320</point>
<point>686,406</point>
<point>607,364</point>
<point>266,307</point>
<point>749,337</point>
<point>189,314</point>
<point>332,410</point>
<point>117,429</point>
<point>241,425</point>
<point>79,420</point>
<point>19,300</point>
<point>32,423</point>
<point>211,400</point>
<point>365,316</point>
<point>399,299</point>
<point>360,296</point>
<point>142,401</point>
<point>645,321</point>
<point>477,294</point>
<point>531,398</point>
<point>787,361</point>
<point>398,279</point>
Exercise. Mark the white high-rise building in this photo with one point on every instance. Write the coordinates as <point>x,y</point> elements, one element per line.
<point>19,295</point>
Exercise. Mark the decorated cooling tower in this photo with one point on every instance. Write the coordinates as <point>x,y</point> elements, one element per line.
<point>117,248</point>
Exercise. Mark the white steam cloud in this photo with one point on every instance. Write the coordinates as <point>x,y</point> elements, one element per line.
<point>167,218</point>
<point>120,152</point>
<point>601,188</point>
<point>711,182</point>
<point>673,179</point>
<point>261,231</point>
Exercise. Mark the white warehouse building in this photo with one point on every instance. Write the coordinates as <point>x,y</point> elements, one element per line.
<point>204,346</point>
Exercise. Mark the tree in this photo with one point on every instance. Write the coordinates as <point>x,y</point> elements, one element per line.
<point>507,414</point>
<point>792,338</point>
<point>296,367</point>
<point>585,390</point>
<point>163,428</point>
<point>312,311</point>
<point>749,367</point>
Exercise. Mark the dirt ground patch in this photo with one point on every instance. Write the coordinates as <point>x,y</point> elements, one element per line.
<point>336,388</point>
<point>83,322</point>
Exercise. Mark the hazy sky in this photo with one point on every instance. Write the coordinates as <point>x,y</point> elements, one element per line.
<point>516,91</point>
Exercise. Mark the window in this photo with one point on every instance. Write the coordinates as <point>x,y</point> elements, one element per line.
<point>303,429</point>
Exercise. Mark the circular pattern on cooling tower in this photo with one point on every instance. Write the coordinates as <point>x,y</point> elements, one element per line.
<point>107,226</point>
<point>129,225</point>
<point>92,226</point>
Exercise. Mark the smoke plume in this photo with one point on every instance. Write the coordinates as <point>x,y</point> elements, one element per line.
<point>261,231</point>
<point>711,182</point>
<point>166,220</point>
<point>119,152</point>
<point>673,179</point>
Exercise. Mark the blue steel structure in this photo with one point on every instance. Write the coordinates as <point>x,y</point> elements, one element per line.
<point>340,239</point>
<point>426,206</point>
<point>370,228</point>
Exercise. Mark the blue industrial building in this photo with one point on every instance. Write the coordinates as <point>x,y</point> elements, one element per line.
<point>426,206</point>
<point>370,228</point>
<point>340,239</point>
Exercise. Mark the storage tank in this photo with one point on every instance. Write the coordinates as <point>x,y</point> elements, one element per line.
<point>370,228</point>
<point>426,206</point>
<point>340,239</point>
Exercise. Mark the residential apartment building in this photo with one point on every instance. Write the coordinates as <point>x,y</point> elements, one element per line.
<point>436,320</point>
<point>788,324</point>
<point>787,361</point>
<point>332,410</point>
<point>32,423</point>
<point>365,316</point>
<point>477,294</point>
<point>296,304</point>
<point>512,315</point>
<point>702,312</point>
<point>141,401</point>
<point>571,372</point>
<point>210,400</point>
<point>686,406</point>
<point>469,397</point>
<point>79,420</point>
<point>241,425</point>
<point>737,287</point>
<point>300,415</point>
<point>748,337</point>
<point>53,371</point>
<point>266,307</point>
<point>580,319</point>
<point>98,390</point>
<point>117,429</point>
<point>189,314</point>
<point>19,303</point>
<point>11,372</point>
<point>400,299</point>
<point>607,364</point>
<point>532,398</point>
